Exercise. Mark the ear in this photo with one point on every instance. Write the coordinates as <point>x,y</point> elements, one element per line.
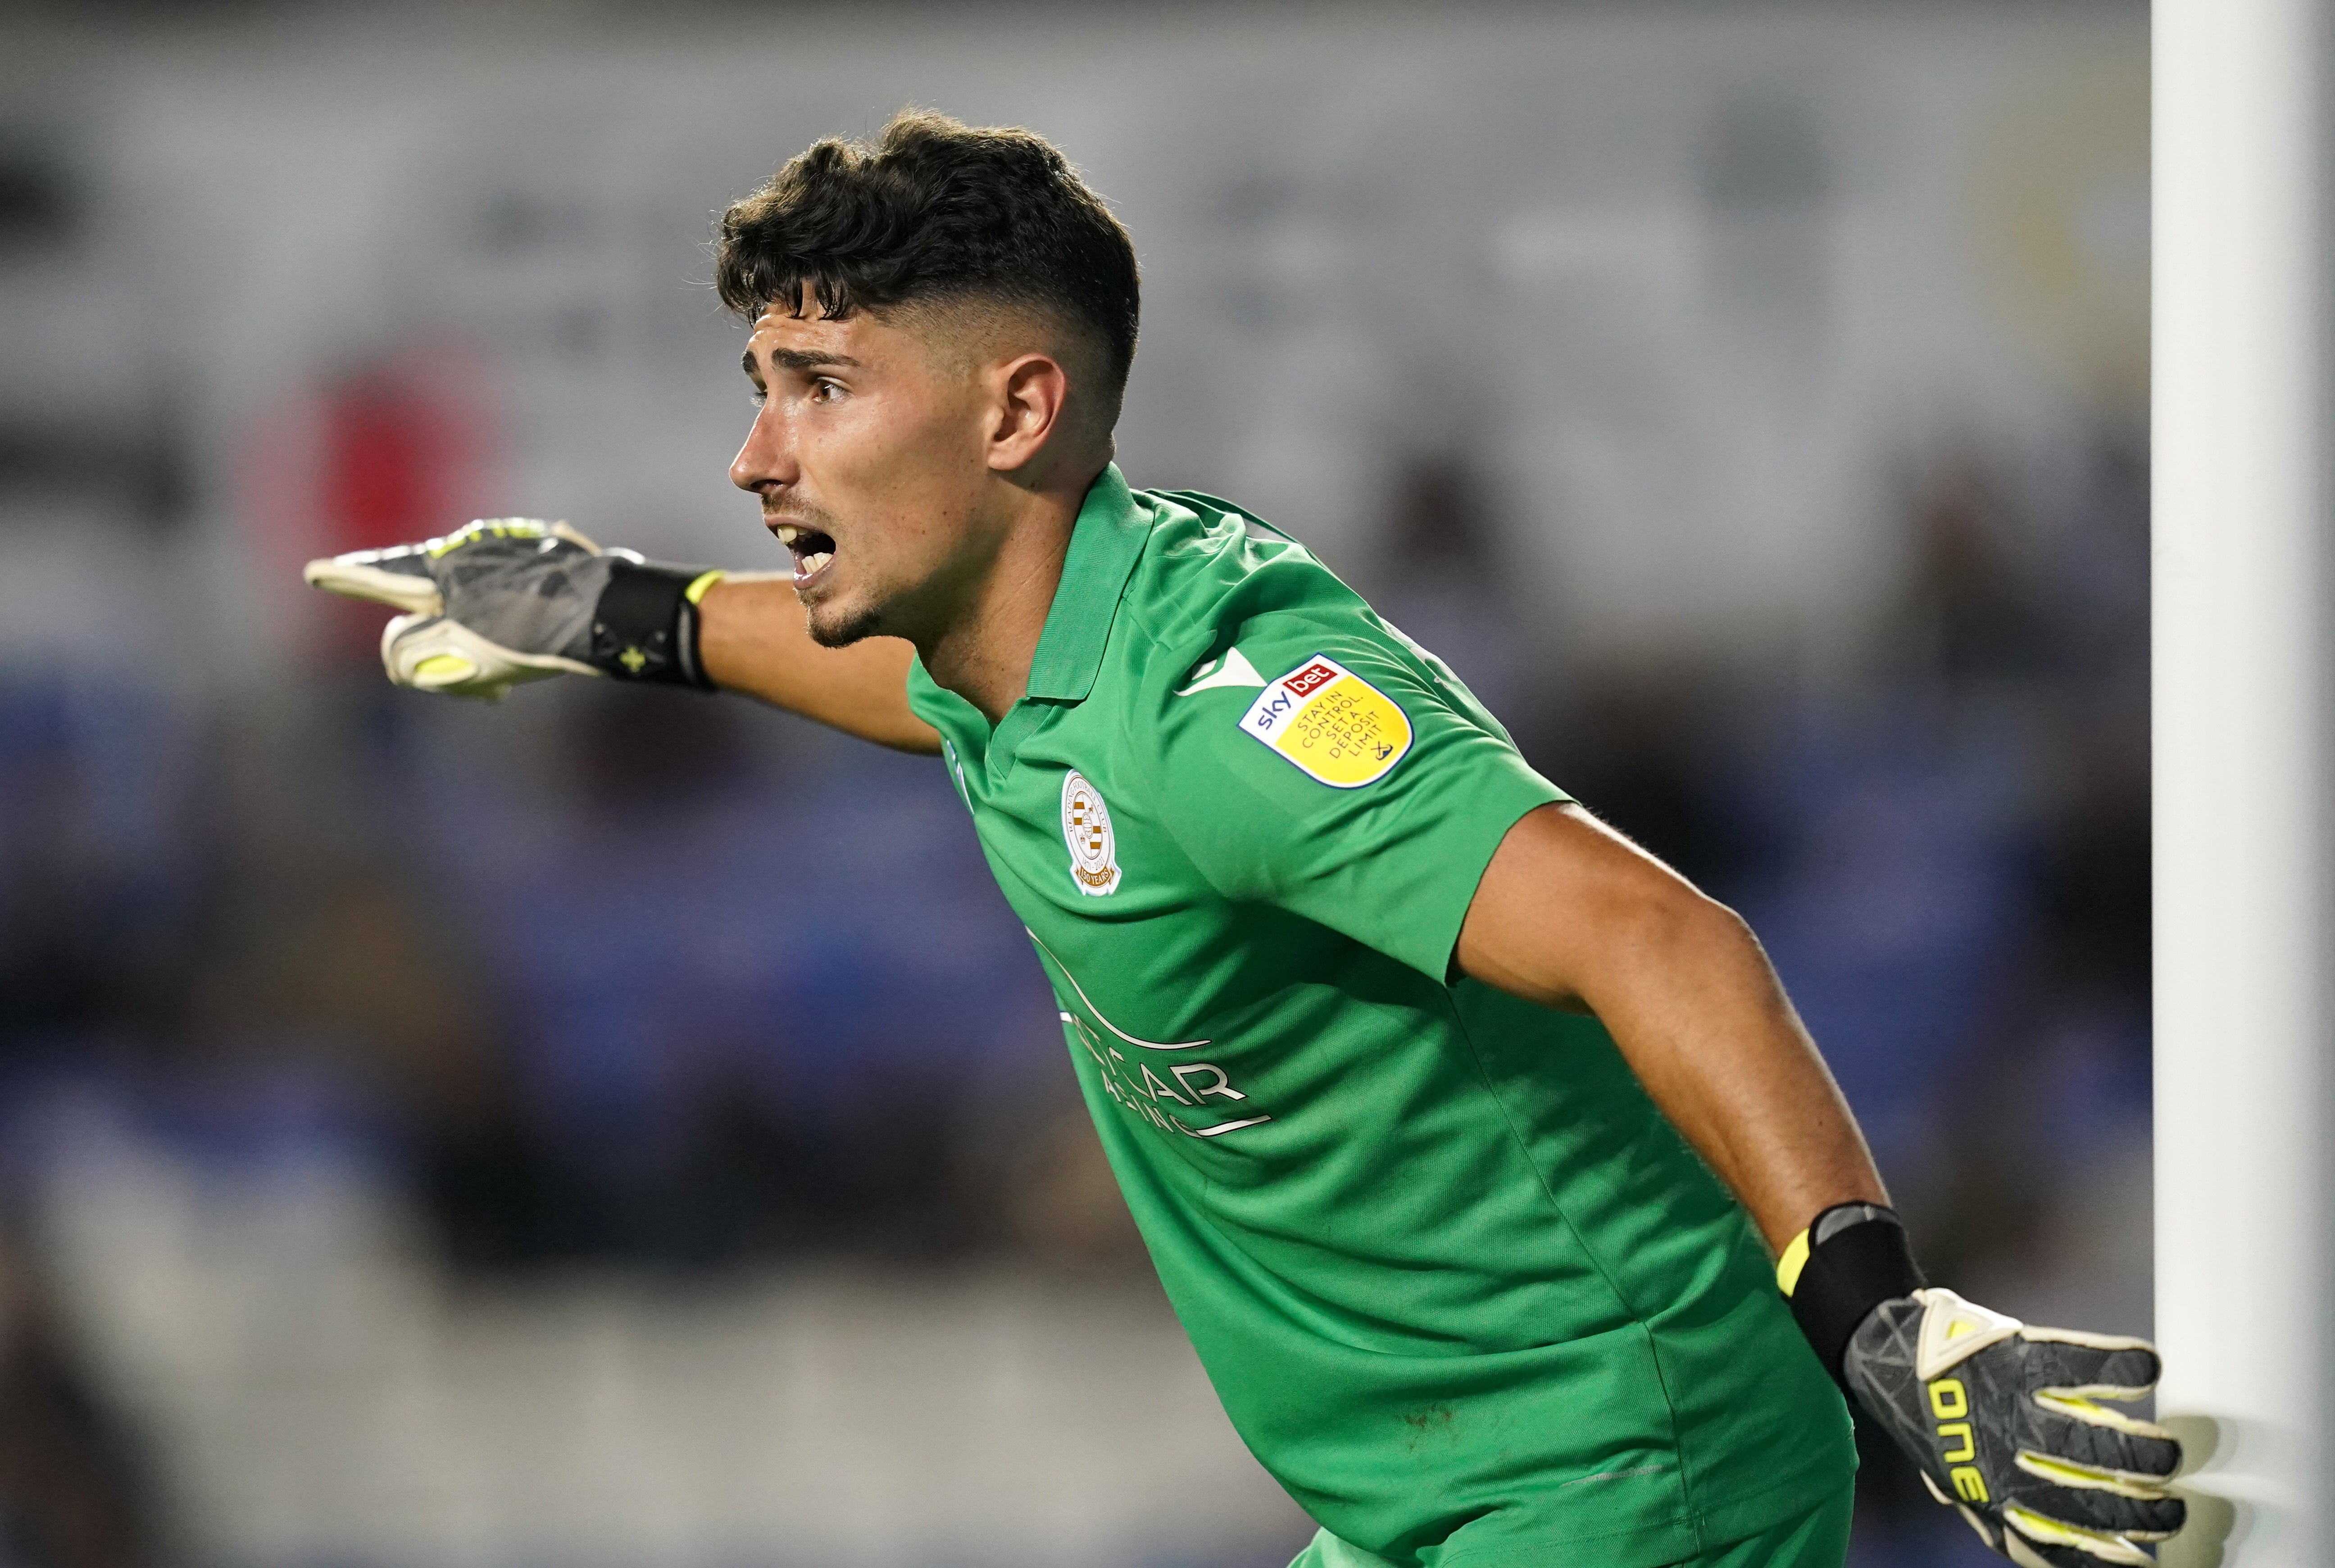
<point>1031,390</point>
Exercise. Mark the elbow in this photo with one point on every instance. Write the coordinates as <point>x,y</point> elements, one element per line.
<point>1659,941</point>
<point>1716,922</point>
<point>1671,923</point>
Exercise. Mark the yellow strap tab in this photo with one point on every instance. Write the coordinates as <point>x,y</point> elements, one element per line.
<point>1795,1258</point>
<point>703,581</point>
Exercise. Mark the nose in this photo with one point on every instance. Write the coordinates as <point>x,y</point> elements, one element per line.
<point>767,461</point>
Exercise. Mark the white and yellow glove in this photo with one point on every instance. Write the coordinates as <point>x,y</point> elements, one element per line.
<point>503,601</point>
<point>2004,1421</point>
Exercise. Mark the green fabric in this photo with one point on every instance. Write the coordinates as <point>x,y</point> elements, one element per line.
<point>1461,1288</point>
<point>1816,1539</point>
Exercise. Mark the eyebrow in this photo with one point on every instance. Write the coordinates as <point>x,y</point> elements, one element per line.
<point>799,359</point>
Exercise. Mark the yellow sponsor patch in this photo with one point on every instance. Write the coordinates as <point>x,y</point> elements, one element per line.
<point>1330,722</point>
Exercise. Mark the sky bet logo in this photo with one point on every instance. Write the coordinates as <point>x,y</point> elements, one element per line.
<point>1330,724</point>
<point>1311,678</point>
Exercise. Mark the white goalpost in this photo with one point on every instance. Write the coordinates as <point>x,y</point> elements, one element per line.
<point>2241,780</point>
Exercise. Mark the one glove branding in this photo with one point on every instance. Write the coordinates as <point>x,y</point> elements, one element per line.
<point>1331,724</point>
<point>1950,1403</point>
<point>2006,1424</point>
<point>1086,828</point>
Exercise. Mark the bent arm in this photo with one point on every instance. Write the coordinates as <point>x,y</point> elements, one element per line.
<point>1571,915</point>
<point>751,639</point>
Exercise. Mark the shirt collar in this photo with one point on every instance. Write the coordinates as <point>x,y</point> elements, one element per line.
<point>1105,542</point>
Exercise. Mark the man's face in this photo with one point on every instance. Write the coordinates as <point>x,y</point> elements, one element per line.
<point>869,456</point>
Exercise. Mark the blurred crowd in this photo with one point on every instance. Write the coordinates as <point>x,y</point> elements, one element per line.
<point>701,988</point>
<point>609,982</point>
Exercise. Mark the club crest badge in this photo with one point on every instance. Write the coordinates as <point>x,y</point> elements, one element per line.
<point>1330,723</point>
<point>1086,828</point>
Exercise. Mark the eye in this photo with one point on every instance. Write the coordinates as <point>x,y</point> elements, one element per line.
<point>826,390</point>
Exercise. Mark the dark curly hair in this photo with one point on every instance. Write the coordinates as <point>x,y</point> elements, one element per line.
<point>937,210</point>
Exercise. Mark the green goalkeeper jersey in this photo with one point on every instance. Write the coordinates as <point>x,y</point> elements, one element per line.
<point>1462,1289</point>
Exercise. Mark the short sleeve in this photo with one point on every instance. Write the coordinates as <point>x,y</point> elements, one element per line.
<point>1334,771</point>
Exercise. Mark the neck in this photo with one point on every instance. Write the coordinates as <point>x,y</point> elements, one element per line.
<point>984,654</point>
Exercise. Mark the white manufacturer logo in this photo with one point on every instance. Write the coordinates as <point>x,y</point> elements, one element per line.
<point>1233,670</point>
<point>1086,828</point>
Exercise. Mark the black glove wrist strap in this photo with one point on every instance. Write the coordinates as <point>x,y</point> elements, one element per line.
<point>1850,1260</point>
<point>644,628</point>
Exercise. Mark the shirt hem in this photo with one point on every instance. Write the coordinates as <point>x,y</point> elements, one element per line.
<point>1675,1539</point>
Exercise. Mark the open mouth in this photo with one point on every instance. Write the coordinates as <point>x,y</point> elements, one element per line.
<point>812,549</point>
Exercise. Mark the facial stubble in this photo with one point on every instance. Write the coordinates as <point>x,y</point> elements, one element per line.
<point>843,630</point>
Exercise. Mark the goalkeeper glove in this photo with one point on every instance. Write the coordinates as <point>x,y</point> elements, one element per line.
<point>2002,1420</point>
<point>507,600</point>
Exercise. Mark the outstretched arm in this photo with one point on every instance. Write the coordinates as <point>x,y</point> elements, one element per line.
<point>751,640</point>
<point>504,601</point>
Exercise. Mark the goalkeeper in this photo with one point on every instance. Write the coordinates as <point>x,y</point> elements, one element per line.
<point>1453,1123</point>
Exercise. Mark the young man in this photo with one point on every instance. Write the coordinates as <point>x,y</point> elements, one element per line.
<point>1421,1084</point>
